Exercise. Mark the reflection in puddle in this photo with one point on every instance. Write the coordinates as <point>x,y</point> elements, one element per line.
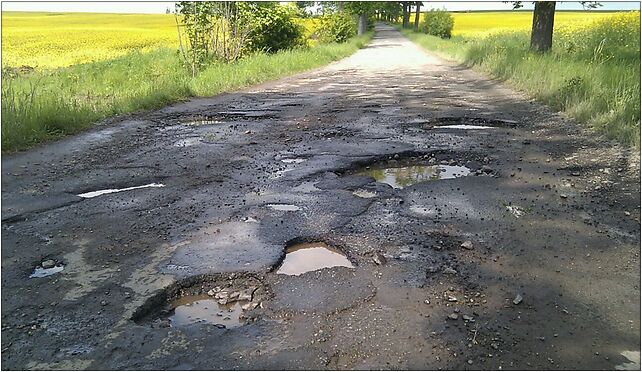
<point>41,272</point>
<point>364,194</point>
<point>463,126</point>
<point>201,122</point>
<point>293,160</point>
<point>517,211</point>
<point>93,194</point>
<point>301,258</point>
<point>633,364</point>
<point>204,309</point>
<point>284,207</point>
<point>401,177</point>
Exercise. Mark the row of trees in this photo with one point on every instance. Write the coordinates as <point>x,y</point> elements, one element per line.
<point>391,11</point>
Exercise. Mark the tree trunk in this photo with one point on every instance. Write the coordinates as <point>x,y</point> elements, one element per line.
<point>406,14</point>
<point>417,11</point>
<point>542,32</point>
<point>363,23</point>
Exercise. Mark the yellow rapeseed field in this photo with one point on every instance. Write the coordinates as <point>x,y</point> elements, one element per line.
<point>479,23</point>
<point>49,40</point>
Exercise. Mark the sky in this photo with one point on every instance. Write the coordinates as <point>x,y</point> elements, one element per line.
<point>161,6</point>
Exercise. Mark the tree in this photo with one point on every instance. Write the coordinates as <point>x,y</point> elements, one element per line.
<point>361,9</point>
<point>417,11</point>
<point>542,30</point>
<point>406,14</point>
<point>543,19</point>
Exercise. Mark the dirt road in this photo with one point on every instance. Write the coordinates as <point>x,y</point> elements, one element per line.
<point>519,248</point>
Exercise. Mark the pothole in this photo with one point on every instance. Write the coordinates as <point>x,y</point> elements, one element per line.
<point>400,177</point>
<point>463,126</point>
<point>220,301</point>
<point>198,121</point>
<point>284,207</point>
<point>93,194</point>
<point>364,193</point>
<point>304,257</point>
<point>189,310</point>
<point>47,268</point>
<point>293,160</point>
<point>472,123</point>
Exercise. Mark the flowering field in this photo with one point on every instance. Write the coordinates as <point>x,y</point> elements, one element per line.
<point>50,40</point>
<point>476,23</point>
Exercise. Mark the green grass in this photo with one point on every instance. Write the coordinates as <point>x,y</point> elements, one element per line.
<point>41,106</point>
<point>592,73</point>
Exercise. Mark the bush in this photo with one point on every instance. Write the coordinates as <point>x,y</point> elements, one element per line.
<point>336,28</point>
<point>272,26</point>
<point>438,23</point>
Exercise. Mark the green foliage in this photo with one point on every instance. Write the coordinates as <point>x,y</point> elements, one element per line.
<point>272,26</point>
<point>336,27</point>
<point>592,73</point>
<point>42,106</point>
<point>438,23</point>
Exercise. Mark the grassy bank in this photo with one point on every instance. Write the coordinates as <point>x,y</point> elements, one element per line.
<point>41,106</point>
<point>592,73</point>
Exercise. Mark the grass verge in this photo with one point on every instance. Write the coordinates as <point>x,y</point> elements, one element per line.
<point>41,106</point>
<point>592,74</point>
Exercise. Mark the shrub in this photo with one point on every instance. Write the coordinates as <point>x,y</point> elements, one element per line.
<point>336,27</point>
<point>273,27</point>
<point>438,23</point>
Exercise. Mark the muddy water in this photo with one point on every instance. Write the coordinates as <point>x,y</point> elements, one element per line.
<point>94,194</point>
<point>400,177</point>
<point>301,258</point>
<point>40,272</point>
<point>205,309</point>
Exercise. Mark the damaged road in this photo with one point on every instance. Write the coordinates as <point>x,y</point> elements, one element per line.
<point>456,225</point>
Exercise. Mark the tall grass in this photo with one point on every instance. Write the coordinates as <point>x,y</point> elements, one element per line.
<point>592,73</point>
<point>41,106</point>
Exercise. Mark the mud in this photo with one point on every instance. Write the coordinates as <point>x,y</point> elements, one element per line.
<point>417,297</point>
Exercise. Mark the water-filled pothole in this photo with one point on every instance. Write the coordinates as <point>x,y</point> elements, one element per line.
<point>400,177</point>
<point>305,257</point>
<point>364,193</point>
<point>224,301</point>
<point>470,123</point>
<point>189,310</point>
<point>463,126</point>
<point>293,160</point>
<point>198,121</point>
<point>284,207</point>
<point>93,194</point>
<point>41,272</point>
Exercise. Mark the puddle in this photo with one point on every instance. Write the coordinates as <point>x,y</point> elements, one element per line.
<point>40,272</point>
<point>284,207</point>
<point>93,194</point>
<point>304,257</point>
<point>463,126</point>
<point>515,210</point>
<point>633,364</point>
<point>203,121</point>
<point>200,309</point>
<point>400,177</point>
<point>293,160</point>
<point>364,194</point>
<point>422,210</point>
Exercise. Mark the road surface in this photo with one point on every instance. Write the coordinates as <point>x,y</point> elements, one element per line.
<point>527,258</point>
